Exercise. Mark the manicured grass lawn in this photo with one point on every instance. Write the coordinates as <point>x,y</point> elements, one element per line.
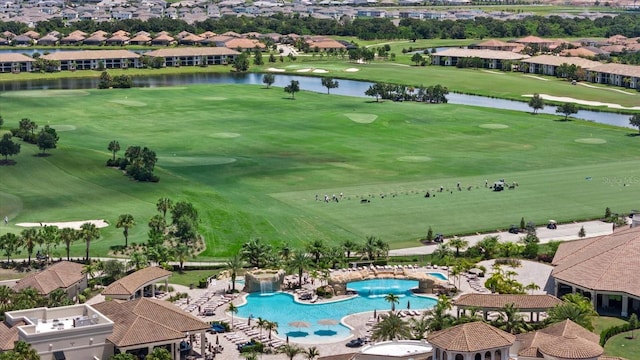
<point>252,161</point>
<point>189,277</point>
<point>620,345</point>
<point>601,323</point>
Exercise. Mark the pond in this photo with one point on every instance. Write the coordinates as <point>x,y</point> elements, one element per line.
<point>346,88</point>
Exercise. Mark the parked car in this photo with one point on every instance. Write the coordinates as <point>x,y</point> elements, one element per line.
<point>216,329</point>
<point>355,343</point>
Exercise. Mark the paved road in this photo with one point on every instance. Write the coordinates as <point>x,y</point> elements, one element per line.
<point>563,232</point>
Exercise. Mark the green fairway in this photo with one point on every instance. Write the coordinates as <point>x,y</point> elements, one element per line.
<point>252,161</point>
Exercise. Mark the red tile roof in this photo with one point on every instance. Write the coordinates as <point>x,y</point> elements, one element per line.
<point>61,275</point>
<point>498,301</point>
<point>129,284</point>
<point>471,337</point>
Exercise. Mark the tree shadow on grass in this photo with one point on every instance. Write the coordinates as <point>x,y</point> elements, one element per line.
<point>42,155</point>
<point>7,162</point>
<point>633,134</point>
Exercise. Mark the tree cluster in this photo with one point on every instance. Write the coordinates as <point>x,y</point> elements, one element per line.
<point>120,81</point>
<point>8,147</point>
<point>433,94</point>
<point>137,162</point>
<point>46,139</point>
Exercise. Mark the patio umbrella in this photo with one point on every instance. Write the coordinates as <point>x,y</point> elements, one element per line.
<point>375,313</point>
<point>408,305</point>
<point>287,339</point>
<point>328,322</point>
<point>299,324</point>
<point>217,340</point>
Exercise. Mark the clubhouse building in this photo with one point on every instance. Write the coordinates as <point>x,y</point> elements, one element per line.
<point>604,269</point>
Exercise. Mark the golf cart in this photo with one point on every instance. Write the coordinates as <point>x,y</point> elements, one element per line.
<point>514,229</point>
<point>552,225</point>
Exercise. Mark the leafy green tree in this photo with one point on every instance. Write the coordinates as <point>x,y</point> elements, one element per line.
<point>429,235</point>
<point>292,88</point>
<point>21,351</point>
<point>536,103</point>
<point>183,209</point>
<point>88,233</point>
<point>392,299</point>
<point>376,90</point>
<point>114,147</point>
<point>330,83</point>
<point>181,253</point>
<point>488,246</point>
<point>235,265</point>
<point>159,353</point>
<point>300,261</point>
<point>138,260</point>
<point>633,323</point>
<point>635,121</point>
<point>29,240</point>
<point>123,356</point>
<point>509,249</point>
<point>49,237</point>
<point>10,244</point>
<point>241,62</point>
<point>576,308</point>
<point>257,57</point>
<point>567,109</point>
<point>416,58</point>
<point>105,80</point>
<point>68,236</point>
<point>126,222</point>
<point>8,147</point>
<point>113,269</point>
<point>268,79</point>
<point>47,139</point>
<point>392,327</point>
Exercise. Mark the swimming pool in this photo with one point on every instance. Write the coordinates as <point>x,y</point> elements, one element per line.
<point>438,275</point>
<point>281,308</point>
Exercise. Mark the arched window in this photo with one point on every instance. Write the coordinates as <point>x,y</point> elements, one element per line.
<point>498,355</point>
<point>487,355</point>
<point>478,356</point>
<point>459,357</point>
<point>438,354</point>
<point>444,355</point>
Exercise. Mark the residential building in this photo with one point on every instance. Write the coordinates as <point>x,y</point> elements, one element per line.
<point>10,62</point>
<point>95,59</point>
<point>615,74</point>
<point>195,56</point>
<point>548,64</point>
<point>471,341</point>
<point>64,275</point>
<point>491,59</point>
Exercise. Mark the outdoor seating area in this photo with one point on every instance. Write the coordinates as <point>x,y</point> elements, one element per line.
<point>206,303</point>
<point>248,333</point>
<point>476,284</point>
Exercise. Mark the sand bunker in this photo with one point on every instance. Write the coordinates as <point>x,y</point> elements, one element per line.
<point>351,69</point>
<point>184,161</point>
<point>604,88</point>
<point>68,224</point>
<point>493,72</point>
<point>361,118</point>
<point>414,158</point>
<point>303,70</point>
<point>595,141</point>
<point>536,77</point>
<point>214,98</point>
<point>225,135</point>
<point>584,102</point>
<point>276,70</point>
<point>128,103</point>
<point>320,71</point>
<point>44,93</point>
<point>164,88</point>
<point>494,126</point>
<point>63,127</point>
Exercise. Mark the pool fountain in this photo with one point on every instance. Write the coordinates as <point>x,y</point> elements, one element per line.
<point>263,281</point>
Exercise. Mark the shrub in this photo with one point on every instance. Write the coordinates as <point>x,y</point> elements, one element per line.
<point>508,261</point>
<point>548,258</point>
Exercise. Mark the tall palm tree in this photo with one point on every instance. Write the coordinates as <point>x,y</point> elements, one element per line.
<point>88,232</point>
<point>6,294</point>
<point>233,310</point>
<point>261,324</point>
<point>290,351</point>
<point>312,353</point>
<point>163,205</point>
<point>349,246</point>
<point>458,243</point>
<point>316,248</point>
<point>29,240</point>
<point>114,147</point>
<point>300,261</point>
<point>49,236</point>
<point>126,222</point>
<point>235,265</point>
<point>10,243</point>
<point>68,236</point>
<point>511,321</point>
<point>532,287</point>
<point>138,260</point>
<point>438,316</point>
<point>271,327</point>
<point>392,299</point>
<point>369,248</point>
<point>419,326</point>
<point>391,327</point>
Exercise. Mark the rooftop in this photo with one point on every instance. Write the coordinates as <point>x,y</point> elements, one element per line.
<point>129,284</point>
<point>45,320</point>
<point>482,53</point>
<point>470,337</point>
<point>61,275</point>
<point>498,301</point>
<point>402,348</point>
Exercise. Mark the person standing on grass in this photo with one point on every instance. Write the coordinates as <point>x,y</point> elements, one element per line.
<point>6,220</point>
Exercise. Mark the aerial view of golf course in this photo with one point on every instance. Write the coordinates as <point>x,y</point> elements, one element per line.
<point>257,162</point>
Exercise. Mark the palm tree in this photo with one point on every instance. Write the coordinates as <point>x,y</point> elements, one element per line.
<point>300,261</point>
<point>382,248</point>
<point>511,321</point>
<point>163,205</point>
<point>114,147</point>
<point>181,252</point>
<point>125,221</point>
<point>68,235</point>
<point>488,246</point>
<point>49,236</point>
<point>10,243</point>
<point>312,353</point>
<point>509,249</point>
<point>261,324</point>
<point>290,350</point>
<point>532,286</point>
<point>391,327</point>
<point>88,232</point>
<point>392,299</point>
<point>91,269</point>
<point>256,252</point>
<point>576,308</point>
<point>5,297</point>
<point>442,251</point>
<point>419,327</point>
<point>233,310</point>
<point>370,247</point>
<point>271,327</point>
<point>316,248</point>
<point>349,246</point>
<point>235,265</point>
<point>29,240</point>
<point>438,316</point>
<point>138,260</point>
<point>58,297</point>
<point>458,243</point>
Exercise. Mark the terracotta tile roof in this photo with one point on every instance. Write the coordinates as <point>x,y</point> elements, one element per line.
<point>569,328</point>
<point>533,40</point>
<point>8,57</point>
<point>618,69</point>
<point>32,34</point>
<point>191,38</point>
<point>140,38</point>
<point>129,284</point>
<point>578,52</point>
<point>327,44</point>
<point>61,275</point>
<point>482,53</point>
<point>604,263</point>
<point>469,337</point>
<point>96,38</point>
<point>164,37</point>
<point>243,44</point>
<point>559,60</point>
<point>100,32</point>
<point>144,321</point>
<point>91,55</point>
<point>72,38</point>
<point>498,301</point>
<point>232,34</point>
<point>495,43</point>
<point>9,335</point>
<point>571,347</point>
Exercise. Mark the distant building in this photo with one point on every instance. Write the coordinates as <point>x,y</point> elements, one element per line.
<point>195,56</point>
<point>491,59</point>
<point>474,340</point>
<point>64,275</point>
<point>15,63</point>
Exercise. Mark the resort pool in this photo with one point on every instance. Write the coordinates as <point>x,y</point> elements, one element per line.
<point>281,308</point>
<point>438,275</point>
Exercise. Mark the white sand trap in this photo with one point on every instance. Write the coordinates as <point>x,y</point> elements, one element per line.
<point>320,71</point>
<point>536,77</point>
<point>215,98</point>
<point>303,70</point>
<point>494,126</point>
<point>351,69</point>
<point>184,161</point>
<point>414,158</point>
<point>595,141</point>
<point>604,88</point>
<point>126,102</point>
<point>63,127</point>
<point>492,72</point>
<point>155,88</point>
<point>44,93</point>
<point>68,224</point>
<point>361,118</point>
<point>584,102</point>
<point>276,70</point>
<point>225,135</point>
